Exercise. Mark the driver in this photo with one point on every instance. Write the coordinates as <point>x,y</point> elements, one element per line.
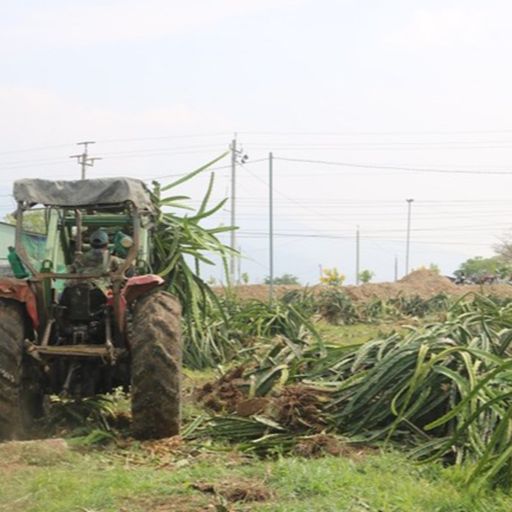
<point>98,258</point>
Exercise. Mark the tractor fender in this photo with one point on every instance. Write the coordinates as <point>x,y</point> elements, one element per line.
<point>139,285</point>
<point>134,288</point>
<point>20,291</point>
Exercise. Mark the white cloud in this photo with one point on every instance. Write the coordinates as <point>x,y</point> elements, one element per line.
<point>80,23</point>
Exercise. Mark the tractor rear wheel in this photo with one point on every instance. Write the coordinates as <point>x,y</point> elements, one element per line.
<point>156,366</point>
<point>12,335</point>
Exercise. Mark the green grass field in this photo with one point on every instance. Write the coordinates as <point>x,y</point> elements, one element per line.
<point>194,478</point>
<point>179,476</point>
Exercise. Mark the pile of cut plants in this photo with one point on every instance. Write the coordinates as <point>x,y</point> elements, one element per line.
<point>442,392</point>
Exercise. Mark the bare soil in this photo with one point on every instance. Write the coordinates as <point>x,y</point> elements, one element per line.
<point>423,283</point>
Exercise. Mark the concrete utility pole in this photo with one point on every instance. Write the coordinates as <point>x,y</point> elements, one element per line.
<point>83,159</point>
<point>396,269</point>
<point>358,241</point>
<point>239,266</point>
<point>408,240</point>
<point>237,156</point>
<point>232,261</point>
<point>271,225</point>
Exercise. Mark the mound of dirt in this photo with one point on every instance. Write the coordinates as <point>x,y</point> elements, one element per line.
<point>423,283</point>
<point>256,291</point>
<point>429,279</point>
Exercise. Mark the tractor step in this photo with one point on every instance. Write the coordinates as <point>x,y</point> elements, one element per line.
<point>74,351</point>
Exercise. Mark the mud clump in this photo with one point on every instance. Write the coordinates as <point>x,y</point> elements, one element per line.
<point>252,406</point>
<point>241,491</point>
<point>226,393</point>
<point>319,445</point>
<point>299,407</point>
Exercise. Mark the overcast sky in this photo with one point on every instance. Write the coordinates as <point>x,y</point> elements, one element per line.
<point>402,99</point>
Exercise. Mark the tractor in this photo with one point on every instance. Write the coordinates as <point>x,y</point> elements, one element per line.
<point>89,315</point>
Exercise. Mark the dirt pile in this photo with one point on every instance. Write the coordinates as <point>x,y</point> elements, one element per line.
<point>423,283</point>
<point>256,291</point>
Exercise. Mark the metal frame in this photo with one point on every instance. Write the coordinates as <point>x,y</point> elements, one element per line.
<point>37,275</point>
<point>41,279</point>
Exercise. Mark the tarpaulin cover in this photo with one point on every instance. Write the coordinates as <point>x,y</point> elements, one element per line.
<point>98,192</point>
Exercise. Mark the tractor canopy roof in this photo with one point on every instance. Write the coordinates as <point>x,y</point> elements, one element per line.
<point>96,192</point>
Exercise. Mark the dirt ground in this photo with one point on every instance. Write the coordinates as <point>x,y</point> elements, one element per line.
<point>423,283</point>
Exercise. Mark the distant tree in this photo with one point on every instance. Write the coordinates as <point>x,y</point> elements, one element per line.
<point>365,276</point>
<point>245,278</point>
<point>332,276</point>
<point>478,267</point>
<point>504,248</point>
<point>33,221</point>
<point>284,279</point>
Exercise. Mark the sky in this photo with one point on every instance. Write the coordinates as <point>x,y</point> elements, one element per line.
<point>363,104</point>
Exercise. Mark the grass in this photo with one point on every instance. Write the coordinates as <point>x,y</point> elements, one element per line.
<point>355,333</point>
<point>104,482</point>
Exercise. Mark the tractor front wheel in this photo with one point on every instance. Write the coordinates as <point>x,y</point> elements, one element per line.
<point>156,366</point>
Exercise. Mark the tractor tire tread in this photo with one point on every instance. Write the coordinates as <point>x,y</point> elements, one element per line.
<point>156,354</point>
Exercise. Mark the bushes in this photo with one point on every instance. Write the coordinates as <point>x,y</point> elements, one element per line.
<point>337,307</point>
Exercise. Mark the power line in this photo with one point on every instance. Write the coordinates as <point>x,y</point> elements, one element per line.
<point>163,137</point>
<point>362,132</point>
<point>391,167</point>
<point>247,234</point>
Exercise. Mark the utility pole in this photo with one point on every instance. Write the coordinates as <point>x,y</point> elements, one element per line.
<point>396,269</point>
<point>358,240</point>
<point>239,266</point>
<point>271,225</point>
<point>408,239</point>
<point>236,154</point>
<point>232,262</point>
<point>83,159</point>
